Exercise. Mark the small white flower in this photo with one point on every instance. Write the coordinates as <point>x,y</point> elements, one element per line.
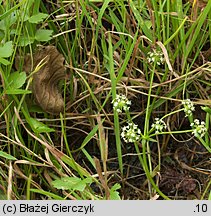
<point>121,103</point>
<point>115,104</point>
<point>159,125</point>
<point>130,133</point>
<point>119,110</point>
<point>199,129</point>
<point>155,56</point>
<point>188,107</point>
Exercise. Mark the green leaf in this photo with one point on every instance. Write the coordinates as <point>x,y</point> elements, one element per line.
<point>152,140</point>
<point>148,23</point>
<point>46,193</point>
<point>114,194</point>
<point>4,61</point>
<point>35,109</point>
<point>43,35</point>
<point>74,165</point>
<point>6,50</point>
<point>88,138</point>
<point>7,156</point>
<point>24,41</point>
<point>11,10</point>
<point>16,80</point>
<point>116,187</point>
<point>71,183</point>
<point>39,127</point>
<point>206,109</point>
<point>9,21</point>
<point>17,91</point>
<point>37,18</point>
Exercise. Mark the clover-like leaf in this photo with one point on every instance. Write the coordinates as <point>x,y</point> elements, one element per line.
<point>114,194</point>
<point>9,21</point>
<point>6,50</point>
<point>16,80</point>
<point>43,35</point>
<point>37,18</point>
<point>24,41</point>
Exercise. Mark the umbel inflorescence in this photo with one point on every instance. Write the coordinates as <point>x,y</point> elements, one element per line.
<point>121,103</point>
<point>131,133</point>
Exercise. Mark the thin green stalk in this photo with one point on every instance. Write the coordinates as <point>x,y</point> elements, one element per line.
<point>145,142</point>
<point>116,116</point>
<point>145,167</point>
<point>28,187</point>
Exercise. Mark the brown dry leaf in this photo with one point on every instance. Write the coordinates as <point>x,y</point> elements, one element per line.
<point>101,178</point>
<point>45,81</point>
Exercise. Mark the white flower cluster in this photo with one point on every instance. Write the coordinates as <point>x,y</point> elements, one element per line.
<point>188,107</point>
<point>159,125</point>
<point>131,133</point>
<point>121,103</point>
<point>155,56</point>
<point>199,129</point>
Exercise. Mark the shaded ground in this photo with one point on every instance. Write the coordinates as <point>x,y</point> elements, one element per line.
<point>184,172</point>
